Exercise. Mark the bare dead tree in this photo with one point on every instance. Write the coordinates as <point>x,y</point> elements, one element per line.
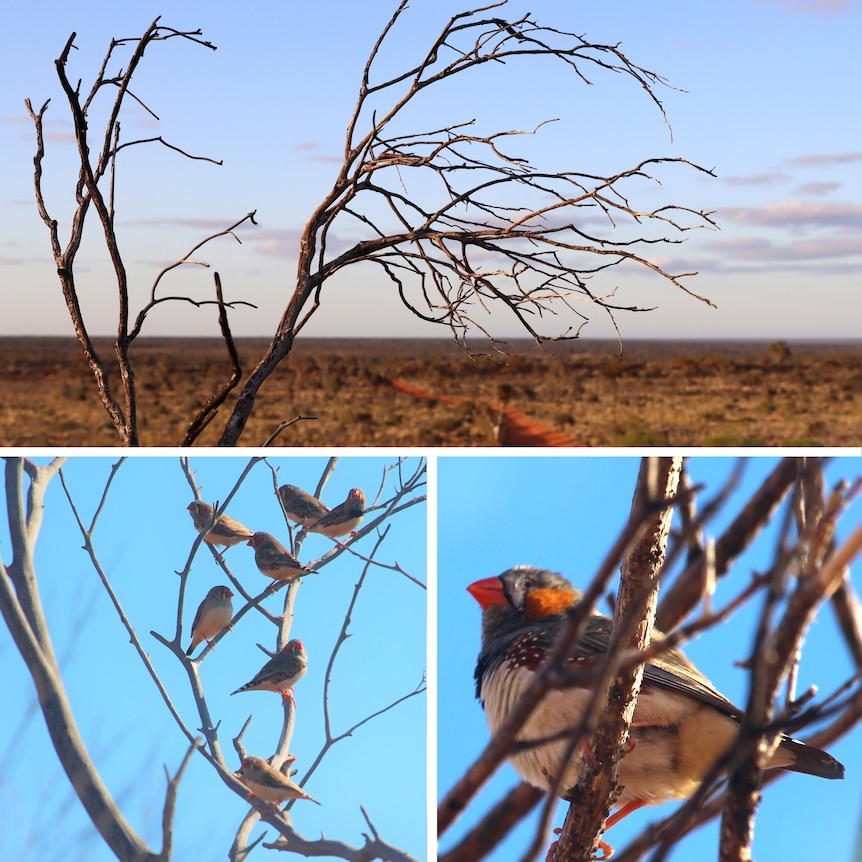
<point>98,167</point>
<point>496,231</point>
<point>456,221</point>
<point>809,570</point>
<point>401,488</point>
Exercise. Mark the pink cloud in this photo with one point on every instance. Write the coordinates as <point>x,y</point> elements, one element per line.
<point>757,179</point>
<point>796,214</point>
<point>817,188</point>
<point>279,242</point>
<point>821,8</point>
<point>758,249</point>
<point>309,146</point>
<point>334,159</point>
<point>826,159</point>
<point>211,225</point>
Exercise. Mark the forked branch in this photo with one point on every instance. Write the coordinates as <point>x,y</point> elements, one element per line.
<point>467,232</point>
<point>459,225</point>
<point>98,162</point>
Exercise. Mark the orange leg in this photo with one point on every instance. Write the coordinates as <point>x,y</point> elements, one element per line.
<point>551,855</point>
<point>624,812</point>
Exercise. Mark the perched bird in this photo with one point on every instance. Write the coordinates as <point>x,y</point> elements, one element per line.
<point>213,615</point>
<point>267,783</point>
<point>281,672</point>
<point>274,560</point>
<point>681,723</point>
<point>344,518</point>
<point>225,531</point>
<point>300,506</point>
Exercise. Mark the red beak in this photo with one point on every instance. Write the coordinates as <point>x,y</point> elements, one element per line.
<point>488,591</point>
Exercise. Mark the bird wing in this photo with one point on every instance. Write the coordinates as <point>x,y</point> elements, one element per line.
<point>203,608</point>
<point>670,670</point>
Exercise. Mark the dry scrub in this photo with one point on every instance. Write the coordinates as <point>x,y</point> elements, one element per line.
<point>677,394</point>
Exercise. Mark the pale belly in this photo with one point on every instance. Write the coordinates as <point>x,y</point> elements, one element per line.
<point>665,762</point>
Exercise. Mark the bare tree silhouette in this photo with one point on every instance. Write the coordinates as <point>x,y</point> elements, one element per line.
<point>26,482</point>
<point>455,221</point>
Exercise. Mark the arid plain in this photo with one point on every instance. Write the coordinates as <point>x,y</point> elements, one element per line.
<point>365,393</point>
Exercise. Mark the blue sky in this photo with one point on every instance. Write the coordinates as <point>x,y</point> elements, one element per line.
<point>769,88</point>
<point>144,537</point>
<point>563,514</point>
<point>493,512</point>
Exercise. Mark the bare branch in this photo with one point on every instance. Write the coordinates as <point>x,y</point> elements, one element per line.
<point>208,412</point>
<point>546,678</point>
<point>187,259</point>
<point>37,650</point>
<point>171,801</point>
<point>488,230</point>
<point>465,229</point>
<point>93,166</point>
<point>686,591</point>
<point>282,426</point>
<point>22,611</point>
<point>160,140</point>
<point>495,825</point>
<point>591,799</point>
<point>807,570</point>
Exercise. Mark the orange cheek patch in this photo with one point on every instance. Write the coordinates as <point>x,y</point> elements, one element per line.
<point>547,603</point>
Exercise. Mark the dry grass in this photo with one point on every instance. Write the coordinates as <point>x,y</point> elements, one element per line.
<point>678,394</point>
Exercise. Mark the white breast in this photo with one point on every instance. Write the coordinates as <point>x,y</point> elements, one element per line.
<point>650,771</point>
<point>557,711</point>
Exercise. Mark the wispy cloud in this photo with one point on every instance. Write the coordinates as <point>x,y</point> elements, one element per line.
<point>796,214</point>
<point>282,243</point>
<point>759,249</point>
<point>817,188</point>
<point>766,179</point>
<point>820,8</point>
<point>311,146</point>
<point>825,159</point>
<point>210,225</point>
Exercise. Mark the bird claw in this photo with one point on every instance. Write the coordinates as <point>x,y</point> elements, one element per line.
<point>606,849</point>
